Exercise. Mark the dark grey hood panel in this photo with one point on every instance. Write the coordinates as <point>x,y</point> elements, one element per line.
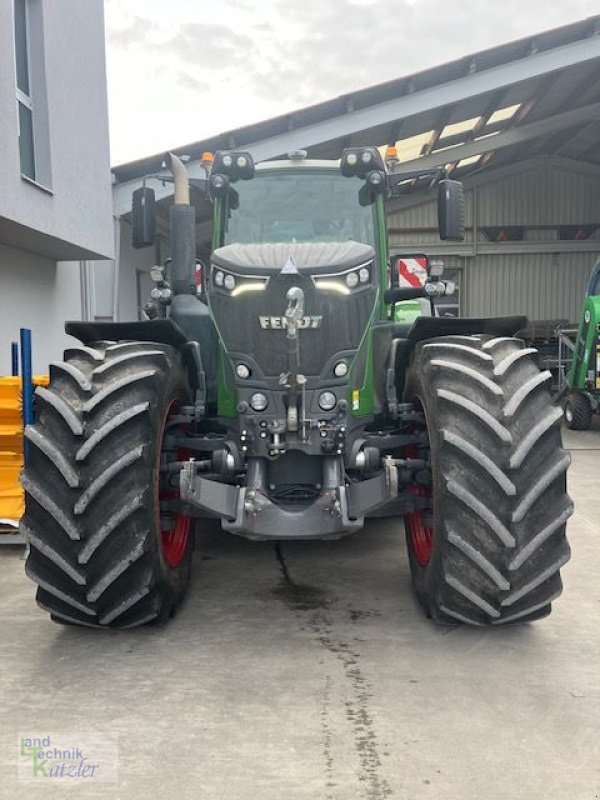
<point>318,257</point>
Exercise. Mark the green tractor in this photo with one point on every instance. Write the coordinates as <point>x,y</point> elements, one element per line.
<point>287,396</point>
<point>583,380</point>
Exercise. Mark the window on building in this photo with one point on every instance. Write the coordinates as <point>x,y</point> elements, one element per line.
<point>24,104</point>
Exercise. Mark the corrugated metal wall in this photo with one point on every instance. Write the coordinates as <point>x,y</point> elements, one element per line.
<point>540,197</point>
<point>423,218</point>
<point>542,285</point>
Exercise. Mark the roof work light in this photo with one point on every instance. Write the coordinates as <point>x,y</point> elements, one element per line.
<point>235,164</point>
<point>361,160</point>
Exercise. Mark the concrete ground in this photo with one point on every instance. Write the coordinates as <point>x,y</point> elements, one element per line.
<point>333,686</point>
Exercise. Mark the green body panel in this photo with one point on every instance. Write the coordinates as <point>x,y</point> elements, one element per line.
<point>362,398</point>
<point>226,398</point>
<point>217,230</point>
<point>585,360</point>
<point>361,401</point>
<point>382,252</point>
<point>406,313</point>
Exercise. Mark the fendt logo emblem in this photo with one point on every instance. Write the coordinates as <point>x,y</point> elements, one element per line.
<point>279,323</point>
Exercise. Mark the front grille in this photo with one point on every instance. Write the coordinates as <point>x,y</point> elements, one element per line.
<point>344,319</point>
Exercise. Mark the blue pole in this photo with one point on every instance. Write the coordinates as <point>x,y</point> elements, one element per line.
<point>14,358</point>
<point>26,382</point>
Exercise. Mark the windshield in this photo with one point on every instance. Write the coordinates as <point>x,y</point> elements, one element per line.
<point>299,206</point>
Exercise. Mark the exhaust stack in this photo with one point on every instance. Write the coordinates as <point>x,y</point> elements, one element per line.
<point>183,231</point>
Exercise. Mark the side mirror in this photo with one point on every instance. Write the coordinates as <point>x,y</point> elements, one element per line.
<point>451,210</point>
<point>143,217</point>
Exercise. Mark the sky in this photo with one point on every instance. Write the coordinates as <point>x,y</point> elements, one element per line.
<point>182,70</point>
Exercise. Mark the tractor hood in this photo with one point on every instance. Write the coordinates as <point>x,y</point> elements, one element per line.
<point>314,257</point>
<point>247,294</point>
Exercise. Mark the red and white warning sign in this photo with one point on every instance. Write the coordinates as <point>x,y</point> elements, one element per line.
<point>412,272</point>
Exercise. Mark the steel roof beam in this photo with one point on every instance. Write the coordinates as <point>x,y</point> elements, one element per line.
<point>517,135</point>
<point>567,99</point>
<point>583,141</point>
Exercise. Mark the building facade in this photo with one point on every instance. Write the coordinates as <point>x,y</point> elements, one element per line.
<point>55,207</point>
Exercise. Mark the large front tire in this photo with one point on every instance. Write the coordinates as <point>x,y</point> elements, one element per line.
<point>101,551</point>
<point>492,549</point>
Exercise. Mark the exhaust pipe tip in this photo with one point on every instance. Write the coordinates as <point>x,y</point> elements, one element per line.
<point>181,180</point>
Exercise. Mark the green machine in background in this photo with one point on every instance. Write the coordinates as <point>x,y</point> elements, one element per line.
<point>583,380</point>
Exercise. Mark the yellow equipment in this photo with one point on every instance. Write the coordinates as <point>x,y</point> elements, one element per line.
<point>11,450</point>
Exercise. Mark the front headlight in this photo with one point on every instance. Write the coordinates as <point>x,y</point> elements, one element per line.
<point>327,401</point>
<point>258,401</point>
<point>235,284</point>
<point>346,282</point>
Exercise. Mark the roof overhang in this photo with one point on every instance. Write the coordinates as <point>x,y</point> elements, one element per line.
<point>22,237</point>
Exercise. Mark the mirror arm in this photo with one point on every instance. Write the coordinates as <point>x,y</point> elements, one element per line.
<point>430,289</point>
<point>400,293</point>
<point>437,175</point>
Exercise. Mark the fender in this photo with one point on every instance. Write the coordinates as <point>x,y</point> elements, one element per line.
<point>408,337</point>
<point>162,331</point>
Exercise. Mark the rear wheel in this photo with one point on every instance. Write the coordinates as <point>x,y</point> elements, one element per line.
<point>578,412</point>
<point>490,550</point>
<point>107,546</point>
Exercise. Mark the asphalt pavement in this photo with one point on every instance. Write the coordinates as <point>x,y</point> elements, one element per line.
<point>307,671</point>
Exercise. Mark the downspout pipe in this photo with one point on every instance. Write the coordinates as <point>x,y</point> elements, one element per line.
<point>183,231</point>
<point>14,358</point>
<point>26,384</point>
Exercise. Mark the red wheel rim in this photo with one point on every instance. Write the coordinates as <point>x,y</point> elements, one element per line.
<point>174,539</point>
<point>420,534</point>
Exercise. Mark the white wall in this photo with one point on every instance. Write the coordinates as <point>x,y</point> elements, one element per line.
<point>39,294</point>
<point>132,260</point>
<point>76,212</point>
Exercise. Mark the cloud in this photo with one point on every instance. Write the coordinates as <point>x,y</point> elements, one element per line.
<point>187,81</point>
<point>137,32</point>
<point>210,45</point>
<point>347,44</point>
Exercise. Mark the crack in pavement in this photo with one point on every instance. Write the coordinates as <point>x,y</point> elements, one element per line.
<point>301,597</point>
